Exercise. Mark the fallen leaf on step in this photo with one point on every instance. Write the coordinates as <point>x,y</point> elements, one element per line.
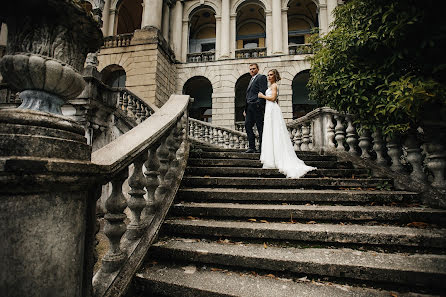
<point>263,221</point>
<point>270,275</point>
<point>202,252</point>
<point>311,222</point>
<point>254,273</point>
<point>303,279</point>
<point>188,240</point>
<point>265,246</point>
<point>418,224</point>
<point>393,295</point>
<point>189,269</point>
<point>216,269</point>
<point>192,218</point>
<point>252,220</point>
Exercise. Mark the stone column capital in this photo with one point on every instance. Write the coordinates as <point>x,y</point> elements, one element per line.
<point>218,17</point>
<point>268,12</point>
<point>233,15</point>
<point>284,10</point>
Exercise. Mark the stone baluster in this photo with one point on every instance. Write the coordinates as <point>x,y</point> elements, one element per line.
<point>293,140</point>
<point>310,144</point>
<point>339,133</point>
<point>242,142</point>
<point>305,137</point>
<point>436,159</point>
<point>379,148</point>
<point>394,151</point>
<point>120,100</point>
<point>364,143</point>
<point>298,138</point>
<point>351,139</point>
<point>231,140</point>
<point>125,101</point>
<point>152,165</point>
<point>201,132</point>
<point>196,130</point>
<point>331,133</point>
<point>148,113</point>
<point>163,157</point>
<point>414,156</point>
<point>136,203</point>
<point>226,137</point>
<point>206,133</point>
<point>191,128</point>
<point>172,146</point>
<point>115,227</point>
<point>131,106</point>
<point>221,140</point>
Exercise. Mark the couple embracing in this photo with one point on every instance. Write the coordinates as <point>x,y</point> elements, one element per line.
<point>262,110</point>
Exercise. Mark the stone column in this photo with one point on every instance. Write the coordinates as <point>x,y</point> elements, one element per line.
<point>217,36</point>
<point>233,34</point>
<point>323,19</point>
<point>331,5</point>
<point>166,22</point>
<point>106,18</point>
<point>177,29</point>
<point>47,183</point>
<point>185,39</point>
<point>225,29</point>
<point>111,22</point>
<point>285,30</point>
<point>152,14</point>
<point>277,27</point>
<point>269,33</point>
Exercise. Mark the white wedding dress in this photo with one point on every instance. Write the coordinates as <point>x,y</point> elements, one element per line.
<point>277,149</point>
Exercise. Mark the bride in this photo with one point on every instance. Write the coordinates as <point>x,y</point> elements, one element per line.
<point>277,149</point>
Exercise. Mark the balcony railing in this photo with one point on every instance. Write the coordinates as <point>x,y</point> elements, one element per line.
<point>117,40</point>
<point>247,53</point>
<point>300,49</point>
<point>201,57</point>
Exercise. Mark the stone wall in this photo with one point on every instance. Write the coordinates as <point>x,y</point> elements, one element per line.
<point>223,76</point>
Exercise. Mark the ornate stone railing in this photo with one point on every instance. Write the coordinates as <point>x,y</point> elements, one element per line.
<point>247,53</point>
<point>420,154</point>
<point>201,57</point>
<point>118,40</point>
<point>217,136</point>
<point>132,105</point>
<point>300,49</point>
<point>155,154</point>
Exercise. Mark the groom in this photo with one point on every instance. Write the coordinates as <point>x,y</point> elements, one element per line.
<point>255,107</point>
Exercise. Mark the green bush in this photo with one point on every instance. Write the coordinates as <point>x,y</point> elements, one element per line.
<point>383,61</point>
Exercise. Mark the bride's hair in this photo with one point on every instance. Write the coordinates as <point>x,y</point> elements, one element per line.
<point>276,74</point>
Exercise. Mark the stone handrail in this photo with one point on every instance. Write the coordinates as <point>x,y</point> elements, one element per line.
<point>419,155</point>
<point>201,57</point>
<point>117,40</point>
<point>247,53</point>
<point>155,153</point>
<point>217,136</point>
<point>132,105</point>
<point>300,49</point>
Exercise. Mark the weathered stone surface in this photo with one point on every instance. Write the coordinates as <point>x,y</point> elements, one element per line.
<point>257,163</point>
<point>417,269</point>
<point>375,235</point>
<point>310,156</point>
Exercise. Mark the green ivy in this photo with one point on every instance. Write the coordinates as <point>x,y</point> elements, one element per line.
<point>383,61</point>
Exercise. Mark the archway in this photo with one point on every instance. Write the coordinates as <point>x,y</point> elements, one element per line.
<point>301,101</point>
<point>251,30</point>
<point>129,16</point>
<point>202,30</point>
<point>199,88</point>
<point>240,97</point>
<point>302,19</point>
<point>114,76</point>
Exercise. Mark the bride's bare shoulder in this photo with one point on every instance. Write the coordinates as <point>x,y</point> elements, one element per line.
<point>274,86</point>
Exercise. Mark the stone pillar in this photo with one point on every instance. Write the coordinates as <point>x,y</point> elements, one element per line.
<point>176,33</point>
<point>152,14</point>
<point>225,29</point>
<point>47,183</point>
<point>217,36</point>
<point>331,5</point>
<point>285,30</point>
<point>323,18</point>
<point>277,27</point>
<point>269,33</point>
<point>233,34</point>
<point>112,22</point>
<point>106,18</point>
<point>185,39</point>
<point>166,22</point>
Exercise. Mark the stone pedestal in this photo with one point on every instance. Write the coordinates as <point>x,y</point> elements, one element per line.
<point>45,209</point>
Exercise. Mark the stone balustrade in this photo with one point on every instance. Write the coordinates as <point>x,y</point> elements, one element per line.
<point>132,105</point>
<point>152,158</point>
<point>201,57</point>
<point>248,53</point>
<point>419,153</point>
<point>218,136</point>
<point>118,40</point>
<point>300,49</point>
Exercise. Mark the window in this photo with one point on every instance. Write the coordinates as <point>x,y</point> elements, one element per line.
<point>251,43</point>
<point>296,40</point>
<point>207,47</point>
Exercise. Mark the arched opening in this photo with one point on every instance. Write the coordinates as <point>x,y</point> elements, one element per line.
<point>202,30</point>
<point>251,30</point>
<point>129,16</point>
<point>199,88</point>
<point>240,98</point>
<point>114,76</point>
<point>301,101</point>
<point>302,19</point>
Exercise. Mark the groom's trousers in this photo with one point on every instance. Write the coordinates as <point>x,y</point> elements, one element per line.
<point>254,115</point>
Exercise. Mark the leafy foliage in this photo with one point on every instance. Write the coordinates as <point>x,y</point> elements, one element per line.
<point>383,61</point>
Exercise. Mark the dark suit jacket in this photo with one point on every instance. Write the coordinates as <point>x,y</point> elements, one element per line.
<point>260,84</point>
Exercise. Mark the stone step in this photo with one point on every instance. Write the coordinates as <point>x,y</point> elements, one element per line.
<point>272,182</point>
<point>295,195</point>
<point>326,233</point>
<point>248,171</point>
<point>258,164</point>
<point>189,280</point>
<point>427,270</point>
<point>340,213</point>
<point>234,155</point>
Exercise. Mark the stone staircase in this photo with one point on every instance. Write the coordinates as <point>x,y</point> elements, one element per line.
<point>239,230</point>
